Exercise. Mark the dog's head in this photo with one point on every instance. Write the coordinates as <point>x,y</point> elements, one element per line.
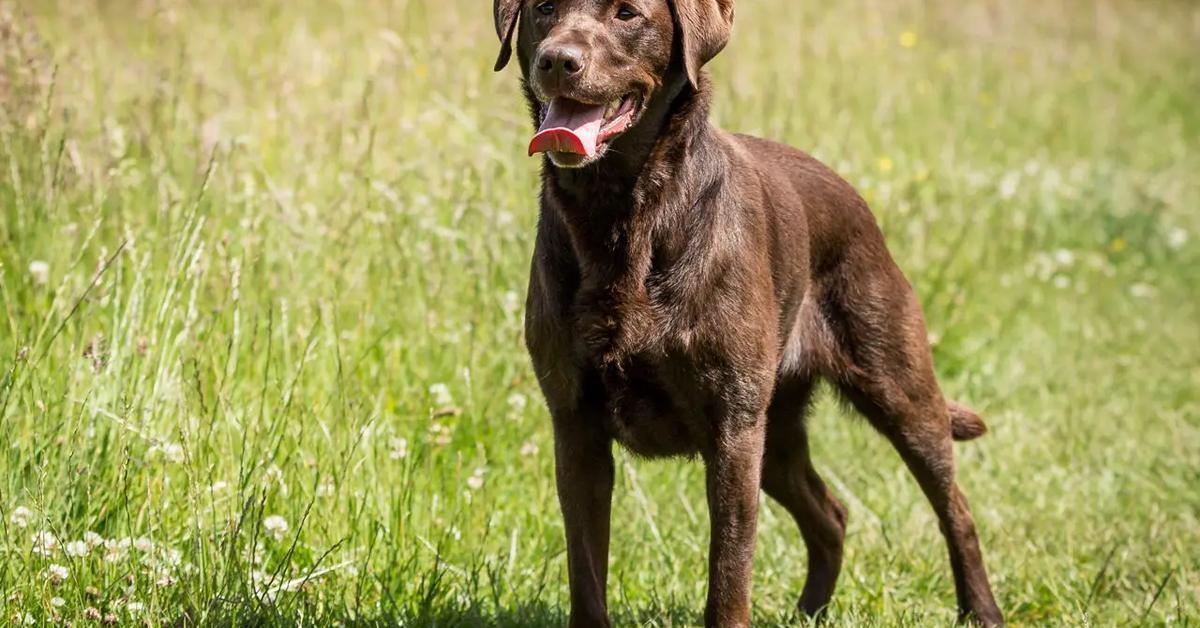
<point>594,66</point>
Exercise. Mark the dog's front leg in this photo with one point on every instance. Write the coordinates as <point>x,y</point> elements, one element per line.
<point>733,474</point>
<point>584,472</point>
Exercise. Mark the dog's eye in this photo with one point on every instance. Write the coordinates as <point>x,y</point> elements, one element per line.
<point>626,13</point>
<point>545,8</point>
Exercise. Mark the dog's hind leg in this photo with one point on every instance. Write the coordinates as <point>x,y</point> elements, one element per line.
<point>790,479</point>
<point>886,370</point>
<point>925,444</point>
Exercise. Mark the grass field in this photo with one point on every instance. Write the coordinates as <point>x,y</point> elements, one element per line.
<point>262,267</point>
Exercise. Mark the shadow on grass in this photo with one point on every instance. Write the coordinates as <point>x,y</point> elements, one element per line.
<point>534,615</point>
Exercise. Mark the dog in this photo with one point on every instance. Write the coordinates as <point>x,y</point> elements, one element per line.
<point>689,287</point>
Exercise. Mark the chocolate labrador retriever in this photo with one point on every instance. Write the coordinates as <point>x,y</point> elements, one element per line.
<point>689,286</point>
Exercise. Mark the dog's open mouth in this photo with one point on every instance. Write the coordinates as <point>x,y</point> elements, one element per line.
<point>573,127</point>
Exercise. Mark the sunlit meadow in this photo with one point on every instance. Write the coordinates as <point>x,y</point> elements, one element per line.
<point>262,271</point>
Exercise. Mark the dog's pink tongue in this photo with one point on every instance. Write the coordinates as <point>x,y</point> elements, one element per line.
<point>569,127</point>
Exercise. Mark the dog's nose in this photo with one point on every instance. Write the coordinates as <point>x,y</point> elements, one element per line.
<point>561,61</point>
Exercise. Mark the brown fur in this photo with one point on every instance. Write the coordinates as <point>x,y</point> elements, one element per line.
<point>687,289</point>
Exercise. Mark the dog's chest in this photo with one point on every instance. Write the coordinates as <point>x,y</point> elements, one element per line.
<point>626,317</point>
<point>634,339</point>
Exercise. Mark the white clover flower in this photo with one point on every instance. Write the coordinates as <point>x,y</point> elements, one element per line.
<point>135,607</point>
<point>24,618</point>
<point>143,544</point>
<point>1008,184</point>
<point>56,573</point>
<point>77,549</point>
<point>40,272</point>
<point>1064,257</point>
<point>475,482</point>
<point>1176,238</point>
<point>441,394</point>
<point>20,517</point>
<point>399,448</point>
<point>170,452</point>
<point>276,526</point>
<point>274,475</point>
<point>44,543</point>
<point>116,550</point>
<point>172,557</point>
<point>1141,290</point>
<point>57,602</point>
<point>440,434</point>
<point>326,488</point>
<point>93,539</point>
<point>511,302</point>
<point>517,403</point>
<point>116,138</point>
<point>529,449</point>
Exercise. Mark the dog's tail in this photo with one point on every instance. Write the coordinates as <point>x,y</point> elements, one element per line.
<point>964,423</point>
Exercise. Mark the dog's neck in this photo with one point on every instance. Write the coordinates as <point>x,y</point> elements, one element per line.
<point>617,210</point>
<point>649,178</point>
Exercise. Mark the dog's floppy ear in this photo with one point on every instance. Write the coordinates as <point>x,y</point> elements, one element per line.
<point>505,13</point>
<point>704,26</point>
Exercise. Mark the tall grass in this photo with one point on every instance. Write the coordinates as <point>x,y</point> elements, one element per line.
<point>261,273</point>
